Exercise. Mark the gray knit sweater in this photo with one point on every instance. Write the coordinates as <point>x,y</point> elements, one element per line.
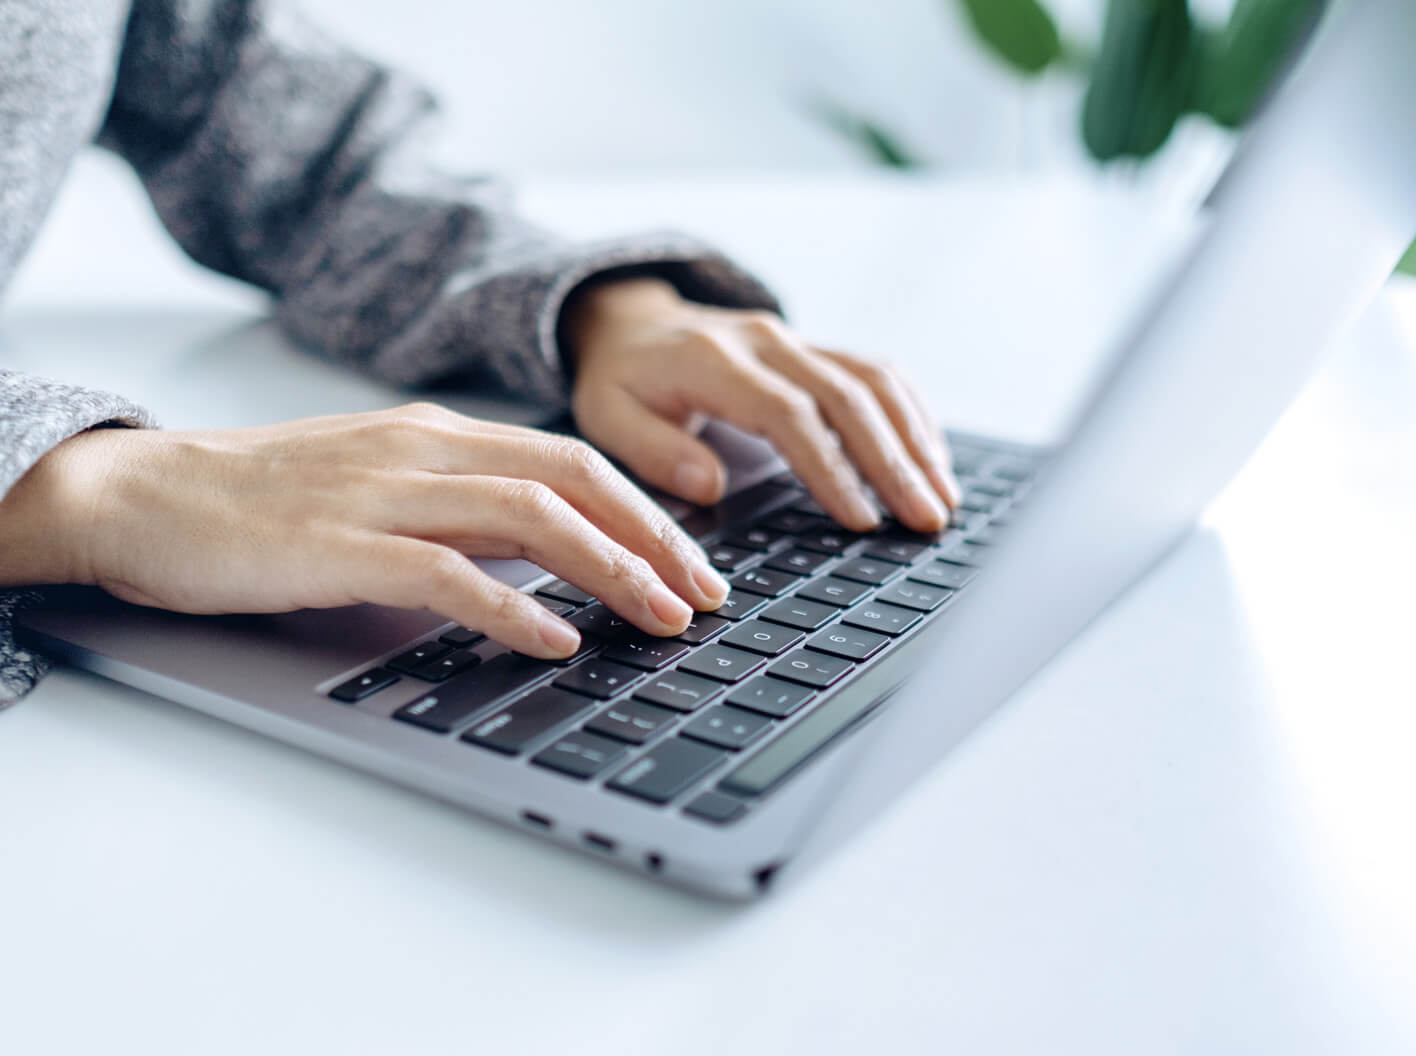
<point>277,157</point>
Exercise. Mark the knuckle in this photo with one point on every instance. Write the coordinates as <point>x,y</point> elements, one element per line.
<point>441,566</point>
<point>794,407</point>
<point>585,463</point>
<point>764,325</point>
<point>508,607</point>
<point>530,501</point>
<point>623,566</point>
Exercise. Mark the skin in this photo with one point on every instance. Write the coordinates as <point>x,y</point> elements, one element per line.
<point>383,507</point>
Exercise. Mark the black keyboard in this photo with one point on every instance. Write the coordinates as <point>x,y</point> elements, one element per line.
<point>715,719</point>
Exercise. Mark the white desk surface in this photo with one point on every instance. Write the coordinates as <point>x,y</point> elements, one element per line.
<point>1191,833</point>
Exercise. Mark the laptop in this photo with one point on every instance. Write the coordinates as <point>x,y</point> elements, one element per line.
<point>843,667</point>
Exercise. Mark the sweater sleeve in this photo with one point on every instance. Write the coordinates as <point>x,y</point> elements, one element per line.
<point>35,415</point>
<point>278,157</point>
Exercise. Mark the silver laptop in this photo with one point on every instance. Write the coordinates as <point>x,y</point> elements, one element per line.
<point>844,666</point>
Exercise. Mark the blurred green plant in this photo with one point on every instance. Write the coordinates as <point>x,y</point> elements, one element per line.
<point>1156,62</point>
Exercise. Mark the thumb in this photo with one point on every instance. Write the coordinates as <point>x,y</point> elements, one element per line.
<point>655,450</point>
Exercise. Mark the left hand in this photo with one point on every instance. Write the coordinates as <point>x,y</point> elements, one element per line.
<point>651,366</point>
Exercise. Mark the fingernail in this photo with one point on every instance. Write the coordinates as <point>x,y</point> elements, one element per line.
<point>711,585</point>
<point>558,635</point>
<point>694,481</point>
<point>668,606</point>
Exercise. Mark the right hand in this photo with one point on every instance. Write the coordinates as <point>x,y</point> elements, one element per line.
<point>378,507</point>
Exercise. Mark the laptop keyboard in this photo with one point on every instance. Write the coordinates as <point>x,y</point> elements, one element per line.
<point>715,719</point>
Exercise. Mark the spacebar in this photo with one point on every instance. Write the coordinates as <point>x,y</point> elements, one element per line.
<point>769,766</point>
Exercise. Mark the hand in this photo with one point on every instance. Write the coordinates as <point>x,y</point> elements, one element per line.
<point>650,365</point>
<point>333,511</point>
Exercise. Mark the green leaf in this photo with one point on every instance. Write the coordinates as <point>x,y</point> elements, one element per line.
<point>1408,262</point>
<point>1141,80</point>
<point>880,144</point>
<point>1241,63</point>
<point>1020,32</point>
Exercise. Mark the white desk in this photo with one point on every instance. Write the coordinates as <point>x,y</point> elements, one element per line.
<point>1191,833</point>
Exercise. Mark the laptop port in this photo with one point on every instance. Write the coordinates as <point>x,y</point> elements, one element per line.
<point>600,843</point>
<point>537,821</point>
<point>654,862</point>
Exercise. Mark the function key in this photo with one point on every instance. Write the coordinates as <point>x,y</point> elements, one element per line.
<point>797,562</point>
<point>771,696</point>
<point>759,636</point>
<point>739,605</point>
<point>418,655</point>
<point>563,591</point>
<point>730,728</point>
<point>631,720</point>
<point>896,551</point>
<point>460,636</point>
<point>887,619</point>
<point>361,686</point>
<point>647,653</point>
<point>765,581</point>
<point>722,663</point>
<point>580,754</point>
<point>677,690</point>
<point>800,613</point>
<point>597,678</point>
<point>757,539</point>
<point>666,770</point>
<point>852,643</point>
<point>942,574</point>
<point>916,596</point>
<point>727,558</point>
<point>716,807</point>
<point>703,626</point>
<point>810,669</point>
<point>441,668</point>
<point>836,592</point>
<point>517,725</point>
<point>867,570</point>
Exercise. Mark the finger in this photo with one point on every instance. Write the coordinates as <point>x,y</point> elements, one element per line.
<point>507,517</point>
<point>911,419</point>
<point>413,574</point>
<point>584,478</point>
<point>744,393</point>
<point>869,438</point>
<point>658,451</point>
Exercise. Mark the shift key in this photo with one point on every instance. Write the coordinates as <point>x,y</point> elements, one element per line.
<point>667,770</point>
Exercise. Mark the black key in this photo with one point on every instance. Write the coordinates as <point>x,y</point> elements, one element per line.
<point>677,690</point>
<point>460,636</point>
<point>916,596</point>
<point>962,553</point>
<point>995,488</point>
<point>600,622</point>
<point>555,607</point>
<point>758,539</point>
<point>597,678</point>
<point>830,541</point>
<point>730,728</point>
<point>448,706</point>
<point>702,627</point>
<point>727,558</point>
<point>765,581</point>
<point>984,536</point>
<point>852,643</point>
<point>797,562</point>
<point>794,523</point>
<point>770,696</point>
<point>897,551</point>
<point>739,605</point>
<point>887,619</point>
<point>761,772</point>
<point>666,770</point>
<point>867,570</point>
<point>580,754</point>
<point>810,669</point>
<point>942,574</point>
<point>523,721</point>
<point>361,686</point>
<point>716,807</point>
<point>588,645</point>
<point>722,663</point>
<point>563,591</point>
<point>758,636</point>
<point>646,653</point>
<point>631,720</point>
<point>809,505</point>
<point>978,501</point>
<point>832,591</point>
<point>799,613</point>
<point>418,655</point>
<point>441,668</point>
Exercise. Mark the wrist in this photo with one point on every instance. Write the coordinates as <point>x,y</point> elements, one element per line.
<point>602,307</point>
